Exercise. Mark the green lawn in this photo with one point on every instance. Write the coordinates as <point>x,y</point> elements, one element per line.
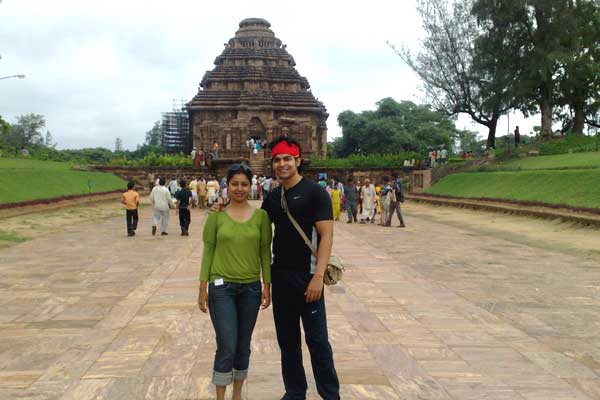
<point>23,179</point>
<point>560,161</point>
<point>578,188</point>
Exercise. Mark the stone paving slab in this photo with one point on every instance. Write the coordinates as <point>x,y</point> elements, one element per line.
<point>433,311</point>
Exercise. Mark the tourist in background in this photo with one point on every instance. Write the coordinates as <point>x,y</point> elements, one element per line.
<point>385,200</point>
<point>351,204</point>
<point>162,201</point>
<point>237,252</point>
<point>336,199</point>
<point>395,205</point>
<point>215,150</point>
<point>212,190</point>
<point>201,190</point>
<point>131,201</point>
<point>193,187</point>
<point>367,194</point>
<point>253,191</point>
<point>184,198</point>
<point>266,187</point>
<point>173,186</point>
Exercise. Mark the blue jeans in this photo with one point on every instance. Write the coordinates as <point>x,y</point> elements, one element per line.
<point>233,311</point>
<point>289,307</point>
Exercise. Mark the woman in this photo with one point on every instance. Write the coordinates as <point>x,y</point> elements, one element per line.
<point>336,196</point>
<point>237,250</point>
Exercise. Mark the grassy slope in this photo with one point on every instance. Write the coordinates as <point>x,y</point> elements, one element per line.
<point>22,180</point>
<point>562,161</point>
<point>571,179</point>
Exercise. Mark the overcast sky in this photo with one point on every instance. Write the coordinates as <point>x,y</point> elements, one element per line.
<point>102,70</point>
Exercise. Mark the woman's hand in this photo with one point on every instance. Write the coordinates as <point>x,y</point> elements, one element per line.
<point>265,301</point>
<point>203,298</point>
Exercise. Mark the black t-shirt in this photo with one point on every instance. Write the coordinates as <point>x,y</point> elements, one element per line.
<point>183,195</point>
<point>308,202</point>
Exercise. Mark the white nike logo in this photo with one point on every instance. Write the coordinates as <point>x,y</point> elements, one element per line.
<point>314,312</point>
<point>297,197</point>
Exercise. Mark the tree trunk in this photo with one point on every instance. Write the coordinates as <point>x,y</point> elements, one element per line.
<point>491,140</point>
<point>546,109</point>
<point>579,120</point>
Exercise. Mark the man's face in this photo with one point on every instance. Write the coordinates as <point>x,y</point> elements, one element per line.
<point>367,182</point>
<point>285,166</point>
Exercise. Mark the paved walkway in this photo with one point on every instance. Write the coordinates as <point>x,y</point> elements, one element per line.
<point>428,312</point>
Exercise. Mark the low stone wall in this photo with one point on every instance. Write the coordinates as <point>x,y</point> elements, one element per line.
<point>144,177</point>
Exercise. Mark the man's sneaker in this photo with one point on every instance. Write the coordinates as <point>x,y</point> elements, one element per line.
<point>164,233</point>
<point>153,230</point>
<point>130,233</point>
<point>349,222</point>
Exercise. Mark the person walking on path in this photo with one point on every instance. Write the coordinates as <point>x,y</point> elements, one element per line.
<point>298,293</point>
<point>162,201</point>
<point>367,194</point>
<point>185,200</point>
<point>201,190</point>
<point>351,206</point>
<point>385,200</point>
<point>336,200</point>
<point>237,251</point>
<point>131,200</point>
<point>212,190</point>
<point>395,205</point>
<point>194,192</point>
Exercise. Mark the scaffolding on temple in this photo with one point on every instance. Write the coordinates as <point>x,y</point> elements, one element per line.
<point>176,137</point>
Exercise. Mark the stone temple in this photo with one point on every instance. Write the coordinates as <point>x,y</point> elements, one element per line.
<point>254,91</point>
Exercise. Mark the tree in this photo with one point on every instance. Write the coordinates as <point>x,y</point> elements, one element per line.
<point>118,145</point>
<point>49,141</point>
<point>154,135</point>
<point>466,141</point>
<point>457,76</point>
<point>27,131</point>
<point>392,128</point>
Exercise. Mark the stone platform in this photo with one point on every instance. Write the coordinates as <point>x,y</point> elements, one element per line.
<point>433,311</point>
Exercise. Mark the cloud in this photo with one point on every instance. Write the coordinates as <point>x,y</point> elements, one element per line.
<point>102,70</point>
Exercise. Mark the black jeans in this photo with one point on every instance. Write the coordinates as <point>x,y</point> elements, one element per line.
<point>184,218</point>
<point>289,307</point>
<point>131,218</point>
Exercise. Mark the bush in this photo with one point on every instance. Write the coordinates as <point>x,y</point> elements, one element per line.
<point>154,160</point>
<point>365,161</point>
<point>570,144</point>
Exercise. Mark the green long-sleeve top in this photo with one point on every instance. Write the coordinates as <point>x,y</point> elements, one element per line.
<point>237,251</point>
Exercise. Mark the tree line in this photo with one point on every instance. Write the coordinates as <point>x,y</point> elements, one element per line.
<point>27,135</point>
<point>399,127</point>
<point>487,57</point>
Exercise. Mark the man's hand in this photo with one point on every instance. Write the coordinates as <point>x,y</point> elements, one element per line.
<point>265,301</point>
<point>203,299</point>
<point>217,206</point>
<point>314,289</point>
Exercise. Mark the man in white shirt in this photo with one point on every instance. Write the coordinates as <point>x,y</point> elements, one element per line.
<point>194,189</point>
<point>367,195</point>
<point>162,201</point>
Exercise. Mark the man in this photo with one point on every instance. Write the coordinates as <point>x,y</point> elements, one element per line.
<point>297,278</point>
<point>395,206</point>
<point>212,191</point>
<point>351,206</point>
<point>162,201</point>
<point>266,186</point>
<point>184,198</point>
<point>367,194</point>
<point>173,186</point>
<point>194,192</point>
<point>201,190</point>
<point>517,136</point>
<point>444,156</point>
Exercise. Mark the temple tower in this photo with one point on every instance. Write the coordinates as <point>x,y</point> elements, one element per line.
<point>254,91</point>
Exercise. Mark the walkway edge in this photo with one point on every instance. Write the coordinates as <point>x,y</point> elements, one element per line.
<point>539,211</point>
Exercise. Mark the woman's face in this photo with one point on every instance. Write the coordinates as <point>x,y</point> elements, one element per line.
<point>238,187</point>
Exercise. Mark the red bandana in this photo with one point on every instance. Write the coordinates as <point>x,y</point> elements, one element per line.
<point>284,148</point>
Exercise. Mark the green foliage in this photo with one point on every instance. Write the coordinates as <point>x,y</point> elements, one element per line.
<point>577,188</point>
<point>570,144</point>
<point>154,135</point>
<point>26,179</point>
<point>393,127</point>
<point>155,160</point>
<point>365,161</point>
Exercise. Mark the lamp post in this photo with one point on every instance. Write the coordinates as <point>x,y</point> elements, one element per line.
<point>20,76</point>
